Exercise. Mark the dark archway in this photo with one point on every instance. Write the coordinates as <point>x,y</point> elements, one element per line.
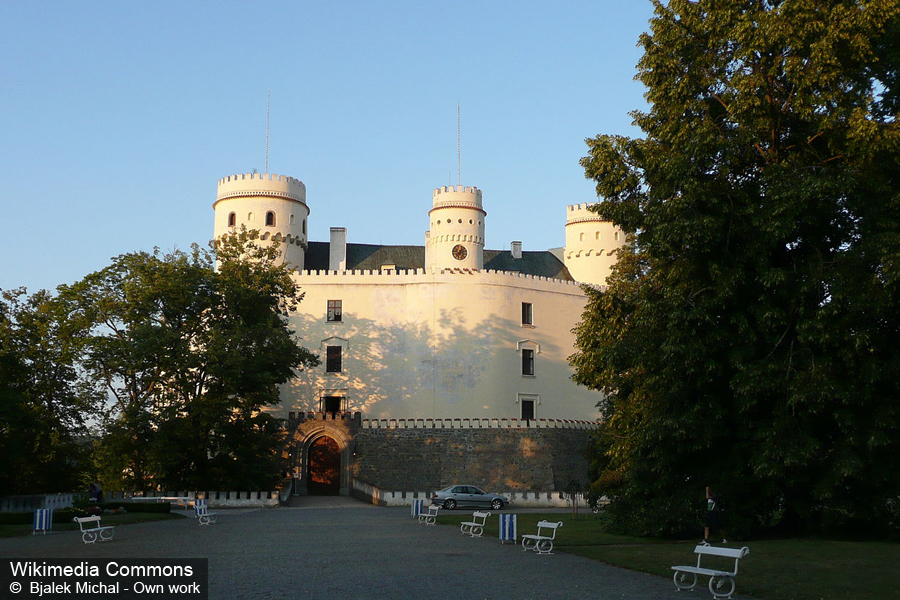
<point>324,471</point>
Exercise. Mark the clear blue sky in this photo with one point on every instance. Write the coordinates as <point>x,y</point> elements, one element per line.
<point>118,118</point>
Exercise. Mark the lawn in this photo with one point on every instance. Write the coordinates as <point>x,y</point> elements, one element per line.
<point>775,569</point>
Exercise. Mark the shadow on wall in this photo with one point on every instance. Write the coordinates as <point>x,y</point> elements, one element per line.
<point>417,370</point>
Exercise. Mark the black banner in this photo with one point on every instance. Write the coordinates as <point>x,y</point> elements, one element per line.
<point>93,578</point>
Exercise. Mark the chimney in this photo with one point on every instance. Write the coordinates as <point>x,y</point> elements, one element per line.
<point>516,249</point>
<point>337,249</point>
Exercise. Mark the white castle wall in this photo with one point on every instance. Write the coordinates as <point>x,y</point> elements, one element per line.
<point>443,343</point>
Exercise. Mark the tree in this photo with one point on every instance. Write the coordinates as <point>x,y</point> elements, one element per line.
<point>44,403</point>
<point>747,340</point>
<point>192,356</point>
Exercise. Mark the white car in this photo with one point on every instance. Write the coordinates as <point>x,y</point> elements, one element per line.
<point>467,495</point>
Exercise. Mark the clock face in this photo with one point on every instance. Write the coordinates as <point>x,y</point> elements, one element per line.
<point>460,252</point>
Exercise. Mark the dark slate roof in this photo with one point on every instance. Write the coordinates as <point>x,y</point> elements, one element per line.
<point>373,257</point>
<point>541,264</point>
<point>367,256</point>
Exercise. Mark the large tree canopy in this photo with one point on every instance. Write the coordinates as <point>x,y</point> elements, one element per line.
<point>191,355</point>
<point>748,338</point>
<point>44,403</point>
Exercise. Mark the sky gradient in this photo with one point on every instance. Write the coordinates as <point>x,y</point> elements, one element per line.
<point>118,118</point>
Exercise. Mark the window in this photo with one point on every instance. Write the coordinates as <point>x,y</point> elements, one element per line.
<point>332,404</point>
<point>333,355</point>
<point>334,310</point>
<point>527,410</point>
<point>232,219</point>
<point>527,314</point>
<point>527,361</point>
<point>270,219</point>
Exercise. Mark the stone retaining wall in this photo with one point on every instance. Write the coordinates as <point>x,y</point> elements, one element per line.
<point>501,460</point>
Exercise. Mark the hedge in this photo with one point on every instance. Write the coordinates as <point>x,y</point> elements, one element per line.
<point>65,515</point>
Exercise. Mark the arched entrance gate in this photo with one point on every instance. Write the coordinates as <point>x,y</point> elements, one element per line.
<point>323,467</point>
<point>320,452</point>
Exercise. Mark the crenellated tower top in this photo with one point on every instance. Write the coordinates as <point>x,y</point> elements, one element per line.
<point>275,205</point>
<point>261,184</point>
<point>592,244</point>
<point>579,213</point>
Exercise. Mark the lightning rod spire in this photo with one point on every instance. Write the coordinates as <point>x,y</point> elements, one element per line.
<point>268,105</point>
<point>458,153</point>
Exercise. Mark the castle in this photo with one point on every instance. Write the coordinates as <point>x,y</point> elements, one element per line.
<point>439,337</point>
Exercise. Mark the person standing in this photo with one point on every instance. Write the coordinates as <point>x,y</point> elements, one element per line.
<point>713,516</point>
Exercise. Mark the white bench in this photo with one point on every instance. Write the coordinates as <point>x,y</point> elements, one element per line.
<point>541,542</point>
<point>184,502</point>
<point>721,583</point>
<point>203,516</point>
<point>475,527</point>
<point>430,516</point>
<point>91,530</point>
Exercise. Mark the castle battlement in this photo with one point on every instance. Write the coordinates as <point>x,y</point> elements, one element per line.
<point>403,276</point>
<point>478,423</point>
<point>581,213</point>
<point>441,423</point>
<point>261,184</point>
<point>457,189</point>
<point>457,196</point>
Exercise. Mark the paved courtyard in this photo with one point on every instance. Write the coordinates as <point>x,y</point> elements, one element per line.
<point>338,548</point>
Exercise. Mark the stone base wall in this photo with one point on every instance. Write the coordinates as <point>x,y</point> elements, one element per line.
<point>373,495</point>
<point>501,460</point>
<point>35,501</point>
<point>229,499</point>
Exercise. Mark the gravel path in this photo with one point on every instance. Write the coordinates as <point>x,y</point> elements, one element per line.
<point>339,549</point>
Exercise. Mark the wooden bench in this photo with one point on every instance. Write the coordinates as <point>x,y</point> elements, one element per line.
<point>541,542</point>
<point>204,517</point>
<point>91,530</point>
<point>475,527</point>
<point>721,583</point>
<point>429,517</point>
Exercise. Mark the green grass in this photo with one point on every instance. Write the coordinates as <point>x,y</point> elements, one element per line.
<point>123,519</point>
<point>775,569</point>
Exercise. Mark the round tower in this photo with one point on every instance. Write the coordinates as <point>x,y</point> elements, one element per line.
<point>591,245</point>
<point>275,205</point>
<point>456,237</point>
